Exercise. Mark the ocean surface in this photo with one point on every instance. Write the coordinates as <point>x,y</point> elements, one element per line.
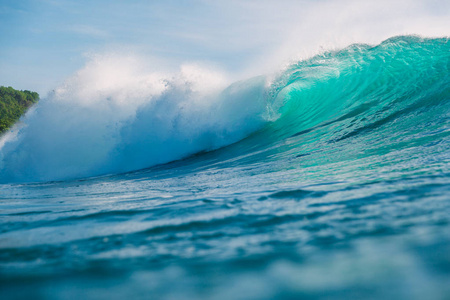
<point>327,180</point>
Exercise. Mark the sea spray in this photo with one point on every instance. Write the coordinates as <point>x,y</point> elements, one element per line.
<point>111,117</point>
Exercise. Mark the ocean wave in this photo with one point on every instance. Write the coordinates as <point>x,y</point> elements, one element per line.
<point>111,117</point>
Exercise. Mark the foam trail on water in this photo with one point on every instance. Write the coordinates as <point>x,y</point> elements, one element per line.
<point>112,116</point>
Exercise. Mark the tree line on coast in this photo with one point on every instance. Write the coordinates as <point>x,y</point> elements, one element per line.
<point>13,104</point>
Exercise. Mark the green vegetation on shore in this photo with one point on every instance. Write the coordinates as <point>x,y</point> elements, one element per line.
<point>13,104</point>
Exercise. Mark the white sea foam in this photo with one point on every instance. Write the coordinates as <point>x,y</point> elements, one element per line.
<point>113,116</point>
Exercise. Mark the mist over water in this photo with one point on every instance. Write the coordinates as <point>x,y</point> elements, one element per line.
<point>111,117</point>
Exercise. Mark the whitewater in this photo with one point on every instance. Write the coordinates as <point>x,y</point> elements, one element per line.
<point>328,179</point>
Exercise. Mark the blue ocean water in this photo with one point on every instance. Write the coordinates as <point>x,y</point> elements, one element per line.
<point>328,180</point>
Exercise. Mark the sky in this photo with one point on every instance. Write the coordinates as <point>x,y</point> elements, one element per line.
<point>43,42</point>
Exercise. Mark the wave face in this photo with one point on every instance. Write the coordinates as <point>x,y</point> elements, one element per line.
<point>330,179</point>
<point>362,100</point>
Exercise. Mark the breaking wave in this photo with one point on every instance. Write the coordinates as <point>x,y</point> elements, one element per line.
<point>113,117</point>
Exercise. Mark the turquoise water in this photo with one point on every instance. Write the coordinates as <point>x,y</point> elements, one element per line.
<point>334,185</point>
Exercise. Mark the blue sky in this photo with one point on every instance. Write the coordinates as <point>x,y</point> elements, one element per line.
<point>42,42</point>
